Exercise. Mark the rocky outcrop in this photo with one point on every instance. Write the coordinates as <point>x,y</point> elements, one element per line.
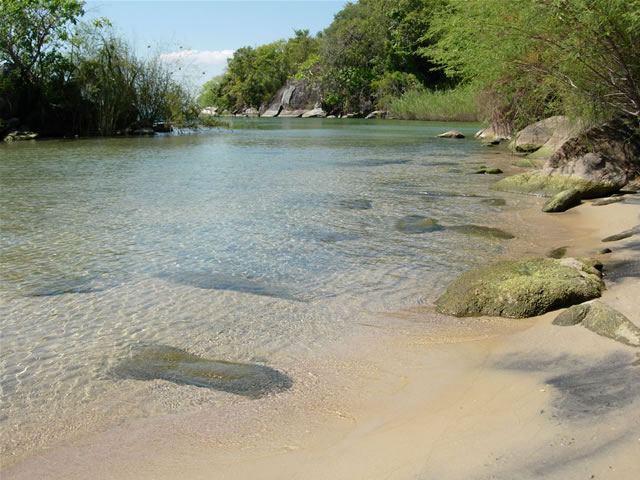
<point>292,100</point>
<point>598,162</point>
<point>595,151</point>
<point>523,288</point>
<point>543,138</point>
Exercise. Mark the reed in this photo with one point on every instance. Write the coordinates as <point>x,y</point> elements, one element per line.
<point>459,104</point>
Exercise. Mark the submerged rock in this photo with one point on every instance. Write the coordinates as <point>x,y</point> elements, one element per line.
<point>417,224</point>
<point>451,134</point>
<point>481,231</point>
<point>217,281</point>
<point>522,288</point>
<point>494,202</point>
<point>563,201</point>
<point>356,204</point>
<point>175,365</point>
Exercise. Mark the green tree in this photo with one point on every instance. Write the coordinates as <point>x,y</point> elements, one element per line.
<point>32,32</point>
<point>33,38</point>
<point>533,58</point>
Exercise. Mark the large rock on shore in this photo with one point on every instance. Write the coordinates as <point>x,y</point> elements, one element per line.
<point>543,138</point>
<point>523,288</point>
<point>544,183</point>
<point>534,136</point>
<point>597,163</point>
<point>292,100</point>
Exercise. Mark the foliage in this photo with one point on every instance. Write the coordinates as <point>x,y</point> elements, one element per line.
<point>254,75</point>
<point>535,58</point>
<point>120,90</point>
<point>368,54</point>
<point>32,33</point>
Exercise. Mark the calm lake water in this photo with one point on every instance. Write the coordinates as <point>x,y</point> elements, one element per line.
<point>260,244</point>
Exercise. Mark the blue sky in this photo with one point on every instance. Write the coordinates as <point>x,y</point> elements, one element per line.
<point>203,34</point>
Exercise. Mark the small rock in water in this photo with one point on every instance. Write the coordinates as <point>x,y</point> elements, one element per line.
<point>482,231</point>
<point>604,251</point>
<point>417,224</point>
<point>557,252</point>
<point>175,365</point>
<point>451,134</point>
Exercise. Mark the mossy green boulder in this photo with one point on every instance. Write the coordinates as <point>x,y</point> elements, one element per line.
<point>173,364</point>
<point>563,201</point>
<point>523,288</point>
<point>550,185</point>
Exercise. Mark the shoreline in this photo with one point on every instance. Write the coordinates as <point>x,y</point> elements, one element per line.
<point>420,395</point>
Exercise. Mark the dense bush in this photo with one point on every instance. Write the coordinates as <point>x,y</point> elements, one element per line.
<point>62,77</point>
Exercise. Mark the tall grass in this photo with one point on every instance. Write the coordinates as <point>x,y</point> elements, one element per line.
<point>458,104</point>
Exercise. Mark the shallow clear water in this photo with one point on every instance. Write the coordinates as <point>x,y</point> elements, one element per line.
<point>263,244</point>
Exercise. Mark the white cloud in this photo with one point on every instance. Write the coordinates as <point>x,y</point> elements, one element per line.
<point>198,57</point>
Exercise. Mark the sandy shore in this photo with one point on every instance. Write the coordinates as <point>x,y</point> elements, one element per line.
<point>418,395</point>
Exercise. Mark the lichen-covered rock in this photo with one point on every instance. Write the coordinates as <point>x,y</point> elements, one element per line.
<point>178,366</point>
<point>563,201</point>
<point>572,315</point>
<point>546,185</point>
<point>610,323</point>
<point>451,134</point>
<point>522,288</point>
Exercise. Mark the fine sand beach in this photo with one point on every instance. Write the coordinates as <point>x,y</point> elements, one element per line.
<point>416,394</point>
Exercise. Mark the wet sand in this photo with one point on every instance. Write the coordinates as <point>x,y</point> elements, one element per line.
<point>418,395</point>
